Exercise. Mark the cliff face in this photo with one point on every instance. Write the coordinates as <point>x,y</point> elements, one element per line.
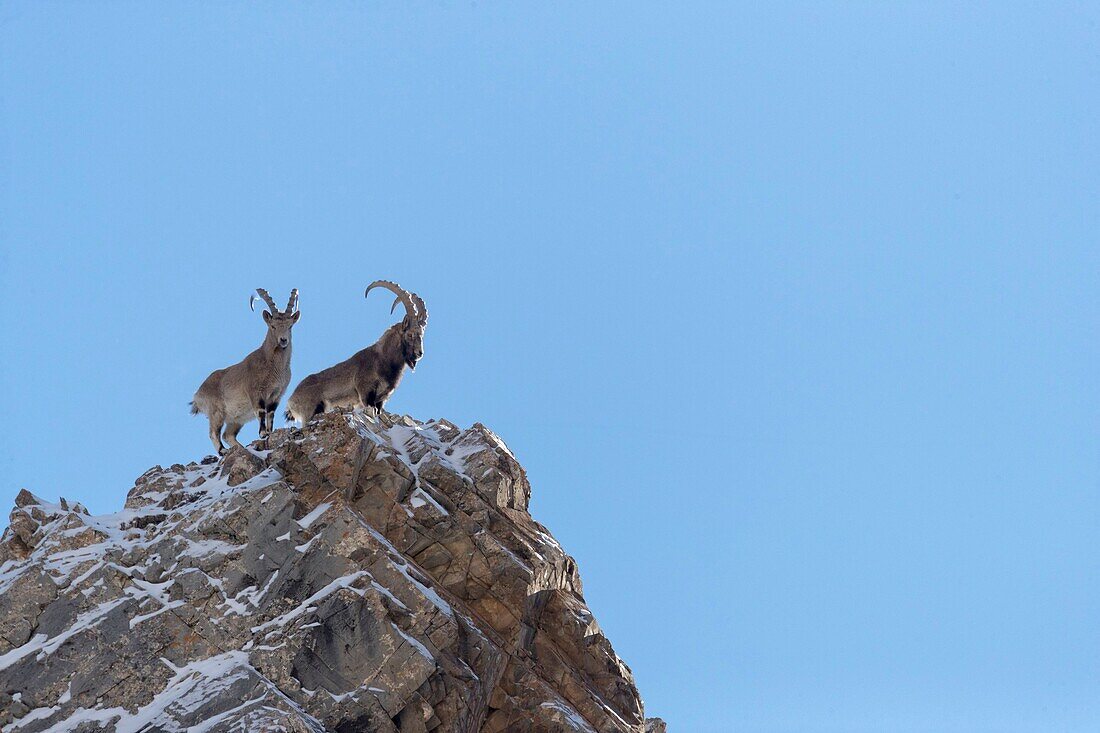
<point>358,575</point>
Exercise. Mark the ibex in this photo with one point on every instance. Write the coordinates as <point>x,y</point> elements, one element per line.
<point>369,377</point>
<point>254,386</point>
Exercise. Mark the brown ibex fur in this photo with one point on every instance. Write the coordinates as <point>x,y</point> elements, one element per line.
<point>368,378</point>
<point>253,387</point>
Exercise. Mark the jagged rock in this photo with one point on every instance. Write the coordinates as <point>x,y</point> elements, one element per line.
<point>358,575</point>
<point>239,464</point>
<point>655,725</point>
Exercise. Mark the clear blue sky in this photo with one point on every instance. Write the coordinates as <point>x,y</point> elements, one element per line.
<point>791,312</point>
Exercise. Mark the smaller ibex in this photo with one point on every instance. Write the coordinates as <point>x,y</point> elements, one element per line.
<point>254,386</point>
<point>369,377</point>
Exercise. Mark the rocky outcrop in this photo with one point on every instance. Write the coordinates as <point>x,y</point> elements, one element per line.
<point>357,575</point>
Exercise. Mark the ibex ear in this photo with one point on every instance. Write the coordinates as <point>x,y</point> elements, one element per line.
<point>297,315</point>
<point>267,317</point>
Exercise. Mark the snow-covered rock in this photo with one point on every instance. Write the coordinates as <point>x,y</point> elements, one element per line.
<point>356,575</point>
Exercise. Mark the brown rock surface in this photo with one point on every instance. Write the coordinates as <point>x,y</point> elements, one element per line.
<point>358,575</point>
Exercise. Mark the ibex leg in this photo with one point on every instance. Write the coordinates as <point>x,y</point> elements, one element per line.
<point>368,400</point>
<point>231,430</point>
<point>215,434</point>
<point>261,415</point>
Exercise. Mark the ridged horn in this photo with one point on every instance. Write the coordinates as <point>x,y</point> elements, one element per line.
<point>266,298</point>
<point>421,309</point>
<point>397,290</point>
<point>292,304</point>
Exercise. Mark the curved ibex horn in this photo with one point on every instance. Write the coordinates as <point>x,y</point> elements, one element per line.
<point>397,290</point>
<point>421,309</point>
<point>266,298</point>
<point>292,304</point>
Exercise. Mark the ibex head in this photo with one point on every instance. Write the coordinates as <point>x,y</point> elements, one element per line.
<point>412,327</point>
<point>279,322</point>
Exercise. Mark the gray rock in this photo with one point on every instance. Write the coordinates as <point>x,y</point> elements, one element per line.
<point>18,709</point>
<point>363,575</point>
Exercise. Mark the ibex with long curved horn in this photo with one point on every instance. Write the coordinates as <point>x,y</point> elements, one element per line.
<point>254,386</point>
<point>369,377</point>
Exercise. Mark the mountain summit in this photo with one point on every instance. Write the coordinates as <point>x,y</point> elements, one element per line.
<point>357,575</point>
